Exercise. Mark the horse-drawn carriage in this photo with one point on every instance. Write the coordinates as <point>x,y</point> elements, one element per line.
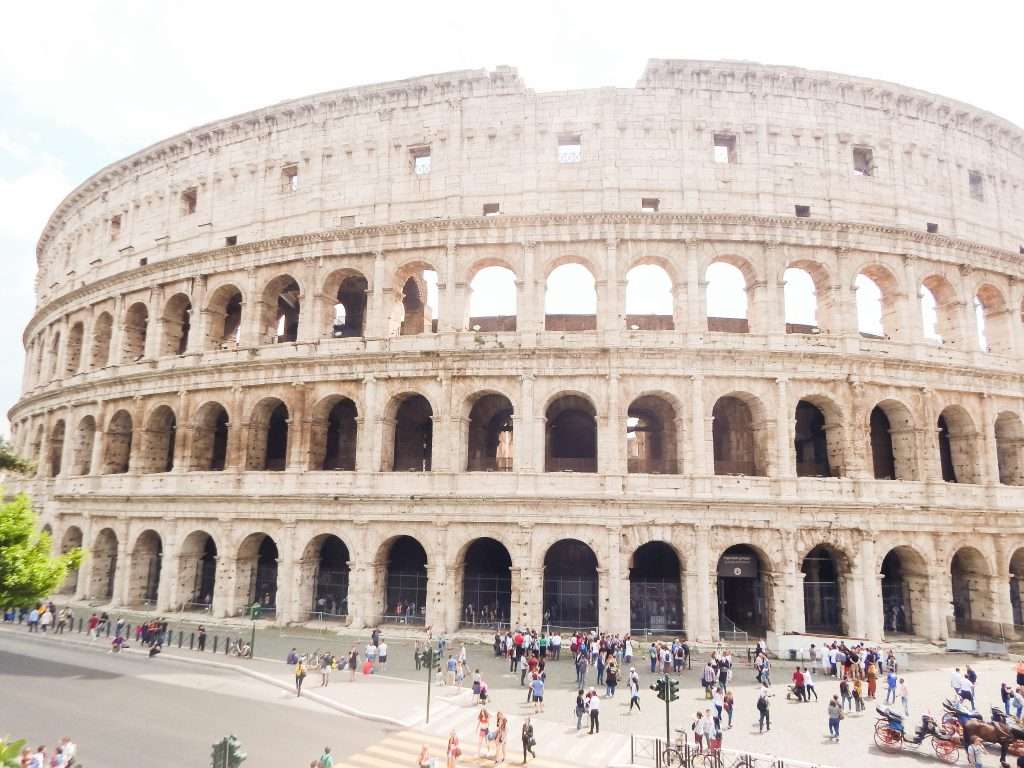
<point>891,735</point>
<point>1003,732</point>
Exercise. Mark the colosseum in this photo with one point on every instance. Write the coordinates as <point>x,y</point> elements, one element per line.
<point>455,352</point>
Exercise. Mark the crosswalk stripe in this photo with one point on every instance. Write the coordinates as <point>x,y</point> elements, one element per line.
<point>364,760</point>
<point>402,748</point>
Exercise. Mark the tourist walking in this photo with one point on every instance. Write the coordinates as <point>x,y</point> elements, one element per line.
<point>453,750</point>
<point>634,691</point>
<point>529,742</point>
<point>835,714</point>
<point>764,717</point>
<point>581,708</point>
<point>594,708</point>
<point>904,696</point>
<point>500,738</point>
<point>300,675</point>
<point>483,727</point>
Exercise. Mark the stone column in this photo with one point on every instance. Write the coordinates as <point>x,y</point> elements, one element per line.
<point>784,424</point>
<point>929,447</point>
<point>531,582</point>
<point>85,570</point>
<point>367,442</point>
<point>168,585</point>
<point>224,589</point>
<point>700,623</point>
<point>122,575</point>
<point>853,597</point>
<point>237,433</point>
<point>298,429</point>
<point>286,599</point>
<point>610,310</point>
<point>613,432</point>
<point>701,425</point>
<point>696,291</point>
<point>524,424</point>
<point>446,290</point>
<point>529,305</point>
<point>913,326</point>
<point>989,474</point>
<point>873,619</point>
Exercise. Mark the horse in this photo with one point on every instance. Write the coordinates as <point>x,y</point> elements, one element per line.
<point>993,733</point>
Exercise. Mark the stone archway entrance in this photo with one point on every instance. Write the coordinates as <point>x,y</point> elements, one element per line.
<point>742,593</point>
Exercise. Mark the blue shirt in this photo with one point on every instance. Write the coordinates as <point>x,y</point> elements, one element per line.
<point>890,680</point>
<point>538,687</point>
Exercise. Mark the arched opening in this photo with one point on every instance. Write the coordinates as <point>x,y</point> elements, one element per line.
<point>210,439</point>
<point>823,603</point>
<point>993,320</point>
<point>54,357</point>
<point>328,558</point>
<point>957,450</point>
<point>876,296</point>
<point>651,443</point>
<point>570,586</point>
<point>117,448</point>
<point>486,585</point>
<point>224,322</point>
<point>72,539</point>
<point>146,561</point>
<point>104,566</point>
<point>1016,575</point>
<point>726,298</point>
<point>73,356</point>
<point>256,569</point>
<point>570,299</point>
<point>176,322</point>
<point>268,437</point>
<point>490,435</point>
<point>158,441</point>
<point>197,571</point>
<point>904,592</point>
<point>801,301</point>
<point>281,311</point>
<point>102,330</point>
<point>133,337</point>
<point>415,308</point>
<point>85,436</point>
<point>492,300</point>
<point>655,590</point>
<point>743,593</point>
<point>810,442</point>
<point>405,588</point>
<point>939,310</point>
<point>333,437</point>
<point>736,440</point>
<point>973,612</point>
<point>56,450</point>
<point>349,310</point>
<point>1009,442</point>
<point>893,448</point>
<point>570,435</point>
<point>413,435</point>
<point>649,300</point>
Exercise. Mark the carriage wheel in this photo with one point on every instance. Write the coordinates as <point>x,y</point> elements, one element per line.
<point>945,750</point>
<point>888,738</point>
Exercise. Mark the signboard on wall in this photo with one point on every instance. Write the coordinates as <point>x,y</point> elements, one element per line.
<point>738,566</point>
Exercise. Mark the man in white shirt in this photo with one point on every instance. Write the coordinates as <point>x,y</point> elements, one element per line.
<point>594,708</point>
<point>956,681</point>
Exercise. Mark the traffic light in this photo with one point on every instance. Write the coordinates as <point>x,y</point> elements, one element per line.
<point>673,690</point>
<point>659,686</point>
<point>227,753</point>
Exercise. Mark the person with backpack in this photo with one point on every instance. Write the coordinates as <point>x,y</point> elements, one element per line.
<point>300,675</point>
<point>835,714</point>
<point>529,742</point>
<point>326,759</point>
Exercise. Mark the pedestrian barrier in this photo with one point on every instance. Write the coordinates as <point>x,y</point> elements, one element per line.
<point>648,750</point>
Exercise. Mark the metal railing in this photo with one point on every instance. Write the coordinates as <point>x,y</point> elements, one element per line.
<point>730,631</point>
<point>648,750</point>
<point>417,620</point>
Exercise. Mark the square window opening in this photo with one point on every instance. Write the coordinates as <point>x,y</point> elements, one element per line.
<point>143,261</point>
<point>863,161</point>
<point>803,211</point>
<point>977,182</point>
<point>933,229</point>
<point>570,148</point>
<point>290,178</point>
<point>115,227</point>
<point>649,204</point>
<point>420,160</point>
<point>189,201</point>
<point>492,209</point>
<point>725,148</point>
<point>231,240</point>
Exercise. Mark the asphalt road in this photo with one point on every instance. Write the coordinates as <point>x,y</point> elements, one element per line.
<point>124,711</point>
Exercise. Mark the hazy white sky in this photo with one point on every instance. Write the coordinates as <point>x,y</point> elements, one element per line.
<point>85,83</point>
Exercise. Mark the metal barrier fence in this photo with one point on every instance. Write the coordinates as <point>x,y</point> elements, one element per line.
<point>648,750</point>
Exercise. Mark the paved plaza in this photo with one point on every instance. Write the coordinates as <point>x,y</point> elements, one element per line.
<point>394,699</point>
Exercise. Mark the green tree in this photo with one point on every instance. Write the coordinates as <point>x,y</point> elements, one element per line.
<point>10,753</point>
<point>12,462</point>
<point>28,572</point>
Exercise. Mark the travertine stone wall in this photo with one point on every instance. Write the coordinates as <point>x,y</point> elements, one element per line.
<point>313,191</point>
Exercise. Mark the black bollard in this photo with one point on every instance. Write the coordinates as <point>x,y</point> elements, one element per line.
<point>80,626</point>
<point>127,630</point>
<point>227,646</point>
<point>181,637</point>
<point>108,629</point>
<point>214,643</point>
<point>192,641</point>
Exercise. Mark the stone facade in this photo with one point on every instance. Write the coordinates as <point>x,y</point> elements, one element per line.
<point>191,394</point>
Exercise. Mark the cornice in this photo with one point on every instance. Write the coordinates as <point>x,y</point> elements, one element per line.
<point>514,228</point>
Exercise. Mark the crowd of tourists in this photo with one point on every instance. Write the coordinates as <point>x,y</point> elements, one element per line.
<point>61,756</point>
